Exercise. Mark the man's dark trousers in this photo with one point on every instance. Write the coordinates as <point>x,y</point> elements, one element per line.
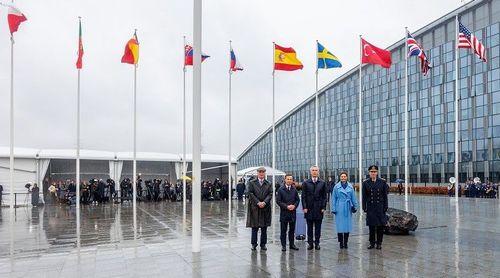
<point>377,231</point>
<point>291,232</point>
<point>317,231</point>
<point>263,236</point>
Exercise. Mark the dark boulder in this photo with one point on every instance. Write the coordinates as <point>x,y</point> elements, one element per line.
<point>400,222</point>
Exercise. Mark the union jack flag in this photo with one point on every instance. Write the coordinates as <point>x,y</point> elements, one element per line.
<point>467,40</point>
<point>414,49</point>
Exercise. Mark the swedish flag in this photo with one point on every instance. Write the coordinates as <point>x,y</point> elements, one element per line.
<point>327,60</point>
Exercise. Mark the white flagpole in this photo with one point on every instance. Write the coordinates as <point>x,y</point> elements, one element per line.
<point>11,156</point>
<point>77,180</point>
<point>196,181</point>
<point>316,118</point>
<point>360,124</point>
<point>407,163</point>
<point>184,164</point>
<point>274,152</point>
<point>457,95</point>
<point>134,167</point>
<point>134,163</point>
<point>229,180</point>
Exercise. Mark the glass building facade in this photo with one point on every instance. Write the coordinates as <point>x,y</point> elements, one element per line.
<point>431,112</point>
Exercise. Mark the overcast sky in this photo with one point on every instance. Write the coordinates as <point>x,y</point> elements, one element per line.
<point>46,78</point>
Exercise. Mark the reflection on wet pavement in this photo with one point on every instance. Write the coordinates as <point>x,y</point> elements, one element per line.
<point>451,240</point>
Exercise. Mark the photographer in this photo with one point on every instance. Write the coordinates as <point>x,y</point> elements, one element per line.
<point>85,193</point>
<point>53,193</point>
<point>34,194</point>
<point>94,192</point>
<point>156,189</point>
<point>111,189</point>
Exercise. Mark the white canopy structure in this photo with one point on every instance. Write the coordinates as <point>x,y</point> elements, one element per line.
<point>252,171</point>
<point>106,155</point>
<point>32,165</point>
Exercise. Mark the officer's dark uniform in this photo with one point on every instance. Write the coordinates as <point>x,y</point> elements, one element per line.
<point>375,206</point>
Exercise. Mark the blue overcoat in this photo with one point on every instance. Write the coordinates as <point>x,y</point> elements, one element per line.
<point>341,203</point>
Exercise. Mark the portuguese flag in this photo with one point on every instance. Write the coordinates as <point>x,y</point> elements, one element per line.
<point>285,58</point>
<point>14,17</point>
<point>131,54</point>
<point>80,48</point>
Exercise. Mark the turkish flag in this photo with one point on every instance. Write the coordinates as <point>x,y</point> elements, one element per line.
<point>374,55</point>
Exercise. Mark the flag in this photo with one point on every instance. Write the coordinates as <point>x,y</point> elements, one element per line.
<point>285,58</point>
<point>14,17</point>
<point>467,40</point>
<point>188,56</point>
<point>234,65</point>
<point>374,55</point>
<point>327,60</point>
<point>79,61</point>
<point>414,49</point>
<point>131,55</point>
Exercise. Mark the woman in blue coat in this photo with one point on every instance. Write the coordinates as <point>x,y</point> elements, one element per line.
<point>343,205</point>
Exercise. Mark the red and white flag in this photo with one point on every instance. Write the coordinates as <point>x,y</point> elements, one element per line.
<point>374,55</point>
<point>14,17</point>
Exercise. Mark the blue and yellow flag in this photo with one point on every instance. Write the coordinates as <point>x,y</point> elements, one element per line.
<point>327,60</point>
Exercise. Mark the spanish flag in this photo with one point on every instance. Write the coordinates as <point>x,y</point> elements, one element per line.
<point>285,58</point>
<point>131,55</point>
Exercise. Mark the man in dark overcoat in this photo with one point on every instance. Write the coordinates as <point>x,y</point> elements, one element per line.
<point>314,192</point>
<point>1,191</point>
<point>35,191</point>
<point>375,204</point>
<point>288,200</point>
<point>260,195</point>
<point>240,189</point>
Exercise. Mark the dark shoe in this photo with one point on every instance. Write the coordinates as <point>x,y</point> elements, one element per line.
<point>254,247</point>
<point>263,248</point>
<point>293,247</point>
<point>345,245</point>
<point>379,246</point>
<point>283,249</point>
<point>341,246</point>
<point>310,247</point>
<point>317,247</point>
<point>371,246</point>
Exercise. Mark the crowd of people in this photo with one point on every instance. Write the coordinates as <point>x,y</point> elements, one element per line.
<point>96,191</point>
<point>475,189</point>
<point>91,192</point>
<point>216,190</point>
<point>481,189</point>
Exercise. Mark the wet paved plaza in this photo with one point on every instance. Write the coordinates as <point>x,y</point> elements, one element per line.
<point>450,241</point>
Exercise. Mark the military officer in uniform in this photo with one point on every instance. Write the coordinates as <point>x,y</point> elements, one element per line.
<point>375,204</point>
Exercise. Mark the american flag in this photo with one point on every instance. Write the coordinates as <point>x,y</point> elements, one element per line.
<point>414,49</point>
<point>467,40</point>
